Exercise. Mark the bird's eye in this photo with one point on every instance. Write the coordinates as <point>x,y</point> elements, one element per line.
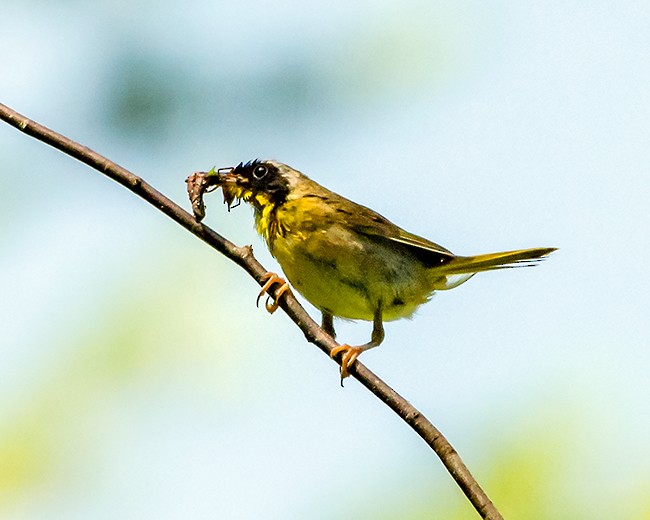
<point>260,171</point>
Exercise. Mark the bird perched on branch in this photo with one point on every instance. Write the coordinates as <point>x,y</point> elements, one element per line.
<point>345,259</point>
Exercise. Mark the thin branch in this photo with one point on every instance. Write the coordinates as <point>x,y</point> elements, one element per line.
<point>243,257</point>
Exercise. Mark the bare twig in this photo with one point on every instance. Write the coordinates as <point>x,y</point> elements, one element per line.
<point>243,257</point>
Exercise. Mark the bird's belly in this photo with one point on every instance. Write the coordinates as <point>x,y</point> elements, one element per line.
<point>351,279</point>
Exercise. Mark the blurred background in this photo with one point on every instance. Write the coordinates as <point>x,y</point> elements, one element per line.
<point>137,378</point>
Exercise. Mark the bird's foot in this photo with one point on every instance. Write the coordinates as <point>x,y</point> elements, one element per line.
<point>350,355</point>
<point>272,278</point>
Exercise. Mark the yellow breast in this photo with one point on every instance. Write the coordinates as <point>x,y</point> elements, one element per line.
<point>337,269</point>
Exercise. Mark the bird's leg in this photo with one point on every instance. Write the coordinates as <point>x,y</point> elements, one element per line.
<point>327,323</point>
<point>270,279</point>
<point>350,354</point>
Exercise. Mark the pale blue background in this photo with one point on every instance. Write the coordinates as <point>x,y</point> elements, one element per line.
<point>480,125</point>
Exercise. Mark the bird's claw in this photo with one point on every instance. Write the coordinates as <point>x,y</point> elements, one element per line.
<point>272,304</point>
<point>350,355</point>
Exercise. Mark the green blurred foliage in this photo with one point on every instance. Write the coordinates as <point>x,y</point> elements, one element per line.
<point>138,341</point>
<point>530,474</point>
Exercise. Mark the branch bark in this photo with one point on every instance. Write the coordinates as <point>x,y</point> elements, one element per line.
<point>243,257</point>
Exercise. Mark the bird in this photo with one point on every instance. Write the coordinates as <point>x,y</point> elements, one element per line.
<point>347,260</point>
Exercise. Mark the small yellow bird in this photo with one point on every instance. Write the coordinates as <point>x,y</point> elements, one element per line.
<point>345,259</point>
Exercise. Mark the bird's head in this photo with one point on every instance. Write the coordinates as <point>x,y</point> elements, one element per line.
<point>260,183</point>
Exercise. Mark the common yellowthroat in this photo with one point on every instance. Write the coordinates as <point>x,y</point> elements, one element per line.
<point>345,259</point>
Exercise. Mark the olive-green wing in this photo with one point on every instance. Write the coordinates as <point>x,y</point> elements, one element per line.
<point>373,225</point>
<point>411,240</point>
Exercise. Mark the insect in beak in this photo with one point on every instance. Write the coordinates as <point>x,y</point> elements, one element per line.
<point>200,183</point>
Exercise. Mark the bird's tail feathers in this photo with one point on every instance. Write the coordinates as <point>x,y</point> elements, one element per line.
<point>462,268</point>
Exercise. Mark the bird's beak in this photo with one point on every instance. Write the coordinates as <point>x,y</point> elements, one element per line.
<point>222,176</point>
<point>234,186</point>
